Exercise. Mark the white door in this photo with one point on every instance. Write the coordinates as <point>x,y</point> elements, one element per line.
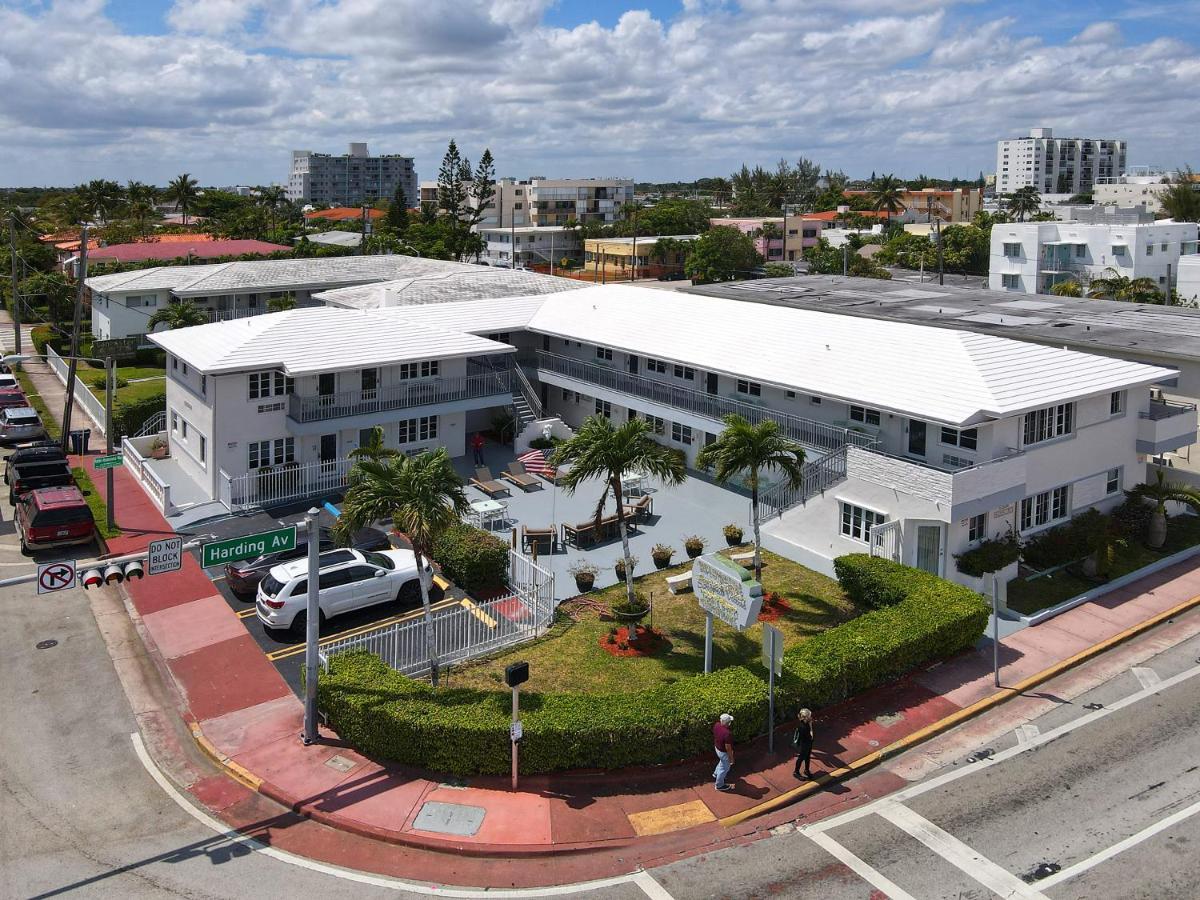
<point>929,548</point>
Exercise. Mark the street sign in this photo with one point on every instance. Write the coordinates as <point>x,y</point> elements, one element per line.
<point>726,590</point>
<point>772,648</point>
<point>109,462</point>
<point>53,577</point>
<point>218,553</point>
<point>164,556</point>
<point>515,731</point>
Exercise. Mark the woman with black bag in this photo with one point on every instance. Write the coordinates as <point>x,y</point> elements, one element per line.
<point>802,741</point>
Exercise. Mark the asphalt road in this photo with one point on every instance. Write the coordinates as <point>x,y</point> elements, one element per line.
<point>1123,774</point>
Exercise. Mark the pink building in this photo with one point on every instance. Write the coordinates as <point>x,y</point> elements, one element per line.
<point>771,249</point>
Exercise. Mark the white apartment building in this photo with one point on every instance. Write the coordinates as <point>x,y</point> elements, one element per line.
<point>1139,187</point>
<point>1056,165</point>
<point>921,441</point>
<point>527,245</point>
<point>351,179</point>
<point>1032,257</point>
<point>540,202</point>
<point>1188,285</point>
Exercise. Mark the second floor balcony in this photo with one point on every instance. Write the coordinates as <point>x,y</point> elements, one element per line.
<point>323,407</point>
<point>1165,426</point>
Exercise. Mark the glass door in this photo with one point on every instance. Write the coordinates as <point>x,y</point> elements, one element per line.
<point>929,548</point>
<point>916,437</point>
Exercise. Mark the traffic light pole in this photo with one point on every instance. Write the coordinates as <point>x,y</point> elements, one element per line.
<point>110,373</point>
<point>312,628</point>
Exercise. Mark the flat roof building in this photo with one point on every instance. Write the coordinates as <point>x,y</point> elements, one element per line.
<point>351,179</point>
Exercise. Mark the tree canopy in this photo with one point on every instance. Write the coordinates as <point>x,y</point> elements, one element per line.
<point>722,254</point>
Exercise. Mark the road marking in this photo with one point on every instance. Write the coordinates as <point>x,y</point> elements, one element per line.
<point>961,856</point>
<point>866,872</point>
<point>356,632</point>
<point>1026,733</point>
<point>246,613</point>
<point>657,892</point>
<point>478,613</point>
<point>1147,678</point>
<point>1121,846</point>
<point>670,818</point>
<point>1055,733</point>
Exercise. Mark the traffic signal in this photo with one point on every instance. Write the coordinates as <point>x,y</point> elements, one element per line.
<point>112,574</point>
<point>91,578</point>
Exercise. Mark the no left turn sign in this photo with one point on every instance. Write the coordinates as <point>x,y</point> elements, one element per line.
<point>58,576</point>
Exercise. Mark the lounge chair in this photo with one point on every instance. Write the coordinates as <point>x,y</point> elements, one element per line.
<point>534,536</point>
<point>640,510</point>
<point>578,535</point>
<point>517,475</point>
<point>485,482</point>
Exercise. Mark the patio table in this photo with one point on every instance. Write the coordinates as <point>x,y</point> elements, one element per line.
<point>631,481</point>
<point>486,512</point>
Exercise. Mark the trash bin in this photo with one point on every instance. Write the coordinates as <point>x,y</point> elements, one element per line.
<point>77,437</point>
<point>87,436</point>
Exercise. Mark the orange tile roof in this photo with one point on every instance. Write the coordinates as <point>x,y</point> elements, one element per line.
<point>832,215</point>
<point>341,213</point>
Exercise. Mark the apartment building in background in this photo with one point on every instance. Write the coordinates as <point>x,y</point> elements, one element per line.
<point>1138,187</point>
<point>1057,165</point>
<point>769,248</point>
<point>1032,257</point>
<point>540,202</point>
<point>528,245</point>
<point>351,179</point>
<point>620,258</point>
<point>949,205</point>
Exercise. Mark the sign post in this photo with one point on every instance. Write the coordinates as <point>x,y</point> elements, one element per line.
<point>216,553</point>
<point>164,556</point>
<point>772,654</point>
<point>725,591</point>
<point>111,461</point>
<point>312,624</point>
<point>515,675</point>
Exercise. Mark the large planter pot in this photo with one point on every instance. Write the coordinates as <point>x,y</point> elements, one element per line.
<point>631,616</point>
<point>693,552</point>
<point>661,562</point>
<point>1156,535</point>
<point>733,540</point>
<point>584,583</point>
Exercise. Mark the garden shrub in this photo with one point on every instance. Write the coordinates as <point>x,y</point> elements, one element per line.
<point>464,731</point>
<point>473,559</point>
<point>41,336</point>
<point>1132,517</point>
<point>129,417</point>
<point>875,581</point>
<point>1056,546</point>
<point>991,555</point>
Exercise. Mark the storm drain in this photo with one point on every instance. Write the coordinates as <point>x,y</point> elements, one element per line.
<point>449,818</point>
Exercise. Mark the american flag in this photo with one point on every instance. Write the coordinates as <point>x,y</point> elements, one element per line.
<point>535,464</point>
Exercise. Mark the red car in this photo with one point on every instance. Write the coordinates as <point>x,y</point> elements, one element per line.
<point>54,517</point>
<point>10,397</point>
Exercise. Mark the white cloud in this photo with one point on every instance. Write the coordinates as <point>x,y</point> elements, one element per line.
<point>235,84</point>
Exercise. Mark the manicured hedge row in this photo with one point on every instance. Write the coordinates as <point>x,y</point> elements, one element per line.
<point>465,731</point>
<point>918,618</point>
<point>473,559</point>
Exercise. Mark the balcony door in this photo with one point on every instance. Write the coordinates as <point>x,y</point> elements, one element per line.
<point>326,384</point>
<point>633,363</point>
<point>710,383</point>
<point>329,451</point>
<point>916,437</point>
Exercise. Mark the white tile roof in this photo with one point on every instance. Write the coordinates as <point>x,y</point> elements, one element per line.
<point>320,339</point>
<point>471,283</point>
<point>944,375</point>
<point>474,316</point>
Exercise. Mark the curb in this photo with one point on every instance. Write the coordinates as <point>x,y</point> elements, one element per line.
<point>953,720</point>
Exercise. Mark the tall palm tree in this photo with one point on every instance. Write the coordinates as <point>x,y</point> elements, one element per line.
<point>181,191</point>
<point>1115,286</point>
<point>282,304</point>
<point>184,314</point>
<point>604,451</point>
<point>753,450</point>
<point>1068,288</point>
<point>1160,493</point>
<point>1025,201</point>
<point>103,198</point>
<point>887,195</point>
<point>271,198</point>
<point>374,449</point>
<point>423,496</point>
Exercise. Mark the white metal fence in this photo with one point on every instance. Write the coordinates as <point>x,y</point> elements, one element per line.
<point>281,484</point>
<point>466,630</point>
<point>83,395</point>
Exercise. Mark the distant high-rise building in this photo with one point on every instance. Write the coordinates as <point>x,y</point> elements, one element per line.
<point>352,179</point>
<point>1056,165</point>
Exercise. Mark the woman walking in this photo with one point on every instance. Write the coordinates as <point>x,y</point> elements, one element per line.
<point>802,741</point>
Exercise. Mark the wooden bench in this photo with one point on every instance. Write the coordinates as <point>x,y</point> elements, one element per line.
<point>745,559</point>
<point>681,582</point>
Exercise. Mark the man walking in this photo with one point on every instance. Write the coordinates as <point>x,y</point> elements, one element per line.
<point>477,446</point>
<point>723,744</point>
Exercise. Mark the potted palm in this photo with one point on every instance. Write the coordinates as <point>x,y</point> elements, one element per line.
<point>1160,493</point>
<point>661,554</point>
<point>584,574</point>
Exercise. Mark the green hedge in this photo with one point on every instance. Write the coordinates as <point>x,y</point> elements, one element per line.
<point>465,731</point>
<point>130,417</point>
<point>473,559</point>
<point>41,336</point>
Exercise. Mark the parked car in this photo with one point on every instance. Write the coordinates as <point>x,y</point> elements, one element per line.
<point>54,517</point>
<point>8,381</point>
<point>349,580</point>
<point>12,397</point>
<point>243,577</point>
<point>40,451</point>
<point>20,423</point>
<point>29,476</point>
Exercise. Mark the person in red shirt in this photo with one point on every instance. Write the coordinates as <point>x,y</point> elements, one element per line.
<point>723,744</point>
<point>477,446</point>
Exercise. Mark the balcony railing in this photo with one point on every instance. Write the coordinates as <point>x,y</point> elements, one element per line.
<point>711,406</point>
<point>400,396</point>
<point>1166,409</point>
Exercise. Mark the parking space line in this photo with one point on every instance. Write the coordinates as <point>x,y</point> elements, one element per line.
<point>478,613</point>
<point>866,872</point>
<point>995,878</point>
<point>1132,841</point>
<point>275,655</point>
<point>1147,678</point>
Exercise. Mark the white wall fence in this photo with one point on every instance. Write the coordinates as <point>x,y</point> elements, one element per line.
<point>133,452</point>
<point>84,398</point>
<point>464,631</point>
<point>282,484</point>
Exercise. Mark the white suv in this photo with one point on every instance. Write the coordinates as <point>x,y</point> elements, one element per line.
<point>349,580</point>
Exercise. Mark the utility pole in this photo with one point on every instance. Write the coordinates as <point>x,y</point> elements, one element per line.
<point>633,259</point>
<point>312,625</point>
<point>110,377</point>
<point>362,247</point>
<point>73,364</point>
<point>941,268</point>
<point>16,304</point>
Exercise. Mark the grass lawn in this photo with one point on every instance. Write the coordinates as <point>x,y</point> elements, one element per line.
<point>53,431</point>
<point>95,503</point>
<point>570,658</point>
<point>1028,597</point>
<point>132,392</point>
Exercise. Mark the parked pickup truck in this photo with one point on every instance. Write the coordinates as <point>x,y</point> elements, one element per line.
<point>25,477</point>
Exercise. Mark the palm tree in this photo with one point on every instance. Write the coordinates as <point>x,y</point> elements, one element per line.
<point>282,304</point>
<point>599,449</point>
<point>887,194</point>
<point>1160,493</point>
<point>184,314</point>
<point>423,496</point>
<point>271,198</point>
<point>753,449</point>
<point>1068,288</point>
<point>374,449</point>
<point>103,197</point>
<point>182,192</point>
<point>1115,286</point>
<point>1025,201</point>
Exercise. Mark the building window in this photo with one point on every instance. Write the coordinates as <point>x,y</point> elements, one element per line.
<point>566,395</point>
<point>966,438</point>
<point>174,421</point>
<point>424,428</point>
<point>1044,508</point>
<point>815,401</point>
<point>604,353</point>
<point>203,449</point>
<point>864,415</point>
<point>1118,250</point>
<point>185,368</point>
<point>681,434</point>
<point>791,395</point>
<point>857,521</point>
<point>1116,403</point>
<point>502,337</point>
<point>977,528</point>
<point>957,462</point>
<point>1112,481</point>
<point>604,408</point>
<point>204,385</point>
<point>1010,282</point>
<point>1048,423</point>
<point>1149,249</point>
<point>183,428</point>
<point>175,363</point>
<point>656,365</point>
<point>687,373</point>
<point>1012,249</point>
<point>752,388</point>
<point>426,369</point>
<point>657,425</point>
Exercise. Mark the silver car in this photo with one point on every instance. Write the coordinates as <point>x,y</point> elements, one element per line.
<point>20,423</point>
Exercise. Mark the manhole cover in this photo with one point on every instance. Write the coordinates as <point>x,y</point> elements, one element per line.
<point>47,644</point>
<point>340,763</point>
<point>887,720</point>
<point>449,818</point>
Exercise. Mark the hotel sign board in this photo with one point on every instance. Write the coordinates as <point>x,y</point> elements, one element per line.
<point>726,590</point>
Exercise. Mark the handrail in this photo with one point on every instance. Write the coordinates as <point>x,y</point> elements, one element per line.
<point>315,408</point>
<point>528,392</point>
<point>1166,409</point>
<point>154,424</point>
<point>816,476</point>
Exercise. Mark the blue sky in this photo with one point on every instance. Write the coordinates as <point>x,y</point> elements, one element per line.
<point>668,89</point>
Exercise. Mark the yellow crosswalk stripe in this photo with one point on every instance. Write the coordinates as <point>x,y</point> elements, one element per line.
<point>478,613</point>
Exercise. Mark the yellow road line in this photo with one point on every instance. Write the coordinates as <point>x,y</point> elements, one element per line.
<point>275,655</point>
<point>441,582</point>
<point>246,613</point>
<point>478,613</point>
